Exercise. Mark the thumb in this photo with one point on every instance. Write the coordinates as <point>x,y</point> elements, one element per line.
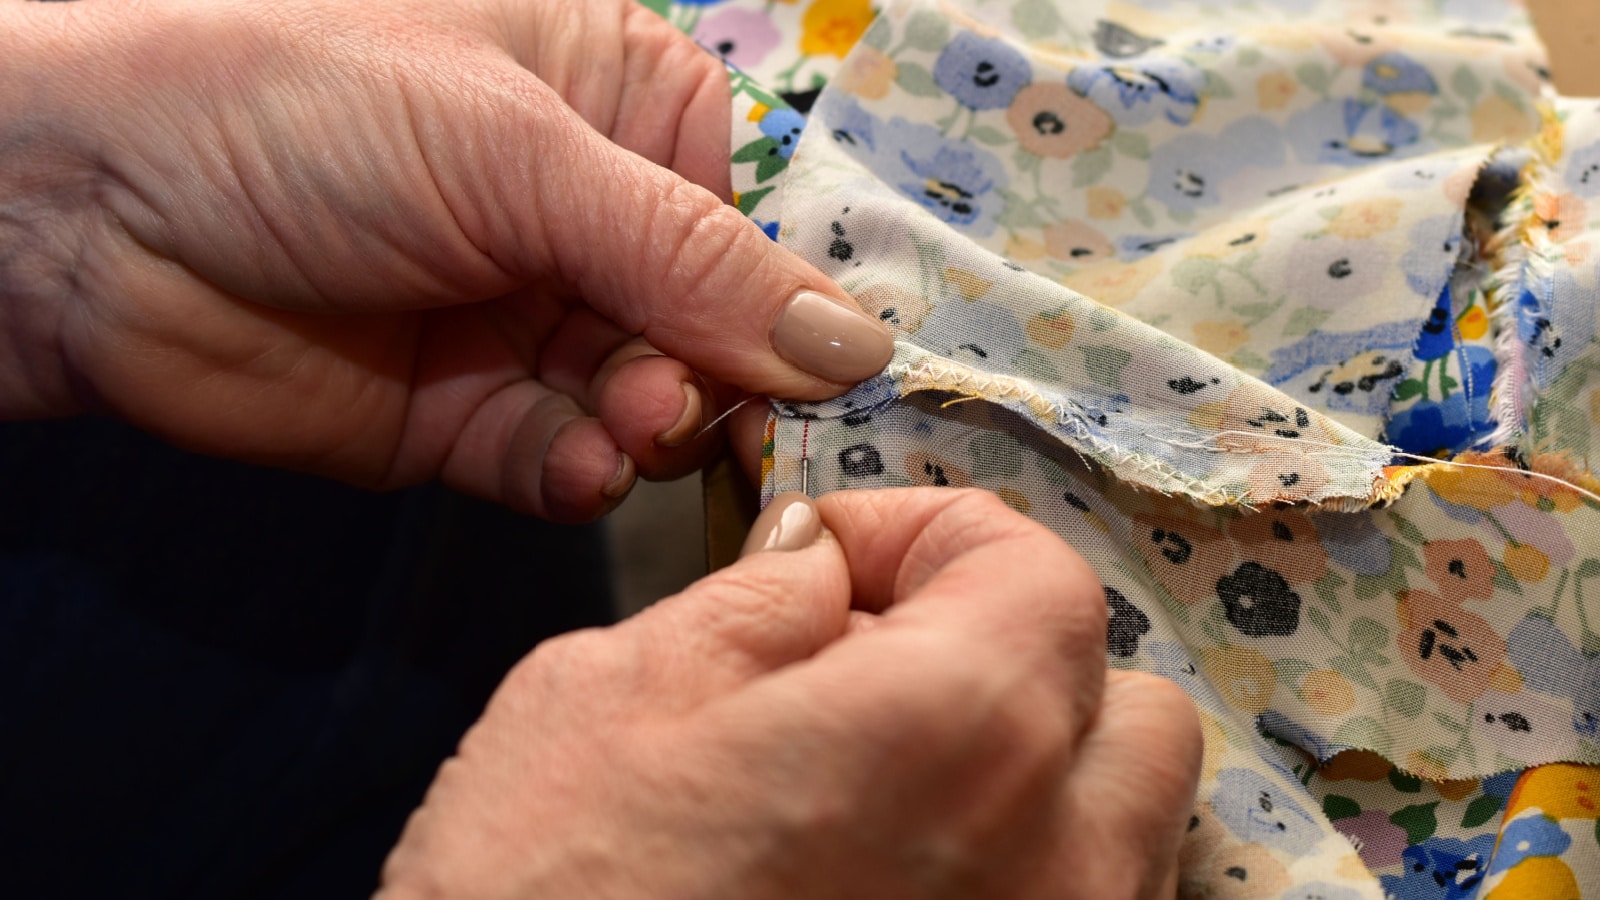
<point>663,257</point>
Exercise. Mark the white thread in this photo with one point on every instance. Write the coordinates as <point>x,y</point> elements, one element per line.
<point>1354,452</point>
<point>731,410</point>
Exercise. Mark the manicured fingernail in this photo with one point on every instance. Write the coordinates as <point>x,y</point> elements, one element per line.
<point>622,482</point>
<point>688,424</point>
<point>790,522</point>
<point>830,340</point>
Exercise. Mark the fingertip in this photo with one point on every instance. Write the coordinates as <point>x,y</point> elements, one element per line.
<point>831,339</point>
<point>579,476</point>
<point>655,408</point>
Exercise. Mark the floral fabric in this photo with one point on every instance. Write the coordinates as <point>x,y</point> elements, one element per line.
<point>1185,281</point>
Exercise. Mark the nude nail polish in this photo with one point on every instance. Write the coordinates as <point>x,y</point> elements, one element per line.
<point>830,340</point>
<point>790,522</point>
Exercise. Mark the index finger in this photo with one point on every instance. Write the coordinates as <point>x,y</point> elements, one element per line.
<point>959,569</point>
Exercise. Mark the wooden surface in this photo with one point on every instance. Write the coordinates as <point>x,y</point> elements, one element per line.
<point>1571,31</point>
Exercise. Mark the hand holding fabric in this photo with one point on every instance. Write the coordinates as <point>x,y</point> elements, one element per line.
<point>387,241</point>
<point>898,694</point>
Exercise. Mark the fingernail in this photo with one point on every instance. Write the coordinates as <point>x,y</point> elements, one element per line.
<point>688,424</point>
<point>830,340</point>
<point>790,522</point>
<point>622,482</point>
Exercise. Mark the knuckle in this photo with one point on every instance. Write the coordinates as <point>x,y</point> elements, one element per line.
<point>576,660</point>
<point>695,236</point>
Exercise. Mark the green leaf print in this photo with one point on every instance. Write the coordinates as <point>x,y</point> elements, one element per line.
<point>1314,76</point>
<point>1406,784</point>
<point>1405,697</point>
<point>1035,18</point>
<point>916,80</point>
<point>1090,166</point>
<point>1480,810</point>
<point>1336,807</point>
<point>1131,143</point>
<point>755,151</point>
<point>926,30</point>
<point>994,137</point>
<point>1104,364</point>
<point>1465,84</point>
<point>1418,821</point>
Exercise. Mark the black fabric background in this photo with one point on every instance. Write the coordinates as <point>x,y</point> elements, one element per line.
<point>218,680</point>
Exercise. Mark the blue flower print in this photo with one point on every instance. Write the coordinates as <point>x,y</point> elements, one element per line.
<point>1438,334</point>
<point>1353,542</point>
<point>981,73</point>
<point>1441,868</point>
<point>1396,73</point>
<point>1188,172</point>
<point>1136,91</point>
<point>1549,663</point>
<point>1583,172</point>
<point>1280,726</point>
<point>1525,836</point>
<point>985,335</point>
<point>1435,246</point>
<point>1350,133</point>
<point>954,181</point>
<point>848,124</point>
<point>1500,786</point>
<point>770,229</point>
<point>1454,422</point>
<point>1259,811</point>
<point>783,125</point>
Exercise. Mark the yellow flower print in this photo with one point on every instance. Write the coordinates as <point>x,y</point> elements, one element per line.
<point>867,73</point>
<point>1474,488</point>
<point>1052,328</point>
<point>1244,677</point>
<point>967,283</point>
<point>1527,563</point>
<point>1274,90</point>
<point>1327,692</point>
<point>1536,878</point>
<point>1105,203</point>
<point>1112,282</point>
<point>1474,323</point>
<point>1367,217</point>
<point>1220,338</point>
<point>832,27</point>
<point>1560,791</point>
<point>1497,119</point>
<point>1016,500</point>
<point>896,307</point>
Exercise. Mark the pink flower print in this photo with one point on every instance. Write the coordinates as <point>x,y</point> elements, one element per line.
<point>742,37</point>
<point>1379,840</point>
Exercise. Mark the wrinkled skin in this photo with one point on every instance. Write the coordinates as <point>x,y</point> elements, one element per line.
<point>384,241</point>
<point>955,735</point>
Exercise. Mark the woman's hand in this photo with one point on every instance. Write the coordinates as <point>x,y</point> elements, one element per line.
<point>757,738</point>
<point>388,240</point>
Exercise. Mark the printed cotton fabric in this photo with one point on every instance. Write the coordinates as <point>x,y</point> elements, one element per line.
<point>1187,282</point>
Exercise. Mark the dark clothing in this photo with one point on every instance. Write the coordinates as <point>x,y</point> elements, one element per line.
<point>218,680</point>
